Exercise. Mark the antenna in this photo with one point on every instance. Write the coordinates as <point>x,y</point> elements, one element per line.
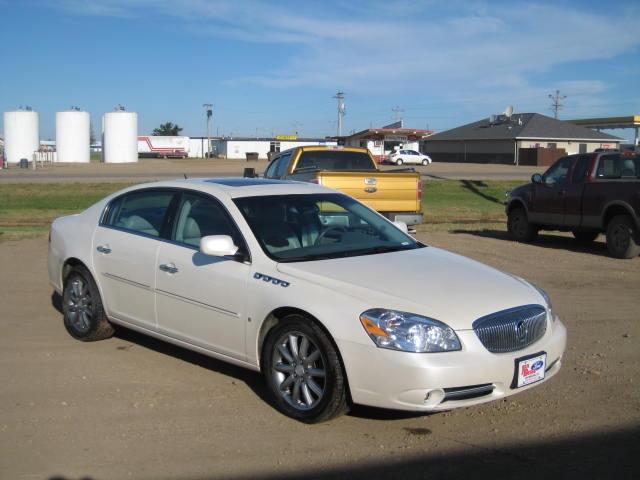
<point>341,110</point>
<point>508,111</point>
<point>397,113</point>
<point>556,106</point>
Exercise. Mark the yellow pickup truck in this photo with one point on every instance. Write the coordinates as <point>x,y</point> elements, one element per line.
<point>396,194</point>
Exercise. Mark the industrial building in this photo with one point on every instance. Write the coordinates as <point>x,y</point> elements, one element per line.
<point>383,141</point>
<point>237,148</point>
<point>520,139</point>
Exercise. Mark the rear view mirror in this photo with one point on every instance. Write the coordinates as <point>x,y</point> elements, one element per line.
<point>218,245</point>
<point>402,226</point>
<point>536,178</point>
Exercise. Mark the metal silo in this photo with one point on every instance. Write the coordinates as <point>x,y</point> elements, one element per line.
<point>21,135</point>
<point>72,136</point>
<point>120,137</point>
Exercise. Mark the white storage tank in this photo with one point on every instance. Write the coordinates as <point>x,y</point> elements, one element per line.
<point>21,135</point>
<point>120,137</point>
<point>72,136</point>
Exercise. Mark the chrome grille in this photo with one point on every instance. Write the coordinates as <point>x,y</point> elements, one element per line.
<point>512,329</point>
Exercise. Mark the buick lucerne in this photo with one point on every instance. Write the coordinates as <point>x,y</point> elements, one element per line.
<point>332,302</point>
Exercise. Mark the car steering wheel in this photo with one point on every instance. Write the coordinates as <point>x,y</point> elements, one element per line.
<point>324,233</point>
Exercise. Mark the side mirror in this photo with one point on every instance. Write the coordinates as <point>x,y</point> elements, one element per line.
<point>402,226</point>
<point>218,245</point>
<point>536,178</point>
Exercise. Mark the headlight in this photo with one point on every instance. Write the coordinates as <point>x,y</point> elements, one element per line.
<point>408,332</point>
<point>547,299</point>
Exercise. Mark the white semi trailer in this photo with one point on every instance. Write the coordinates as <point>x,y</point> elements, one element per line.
<point>163,147</point>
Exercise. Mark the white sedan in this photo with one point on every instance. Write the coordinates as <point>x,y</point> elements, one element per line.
<point>333,303</point>
<point>409,156</point>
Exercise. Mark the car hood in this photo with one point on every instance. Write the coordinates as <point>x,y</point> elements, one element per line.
<point>428,281</point>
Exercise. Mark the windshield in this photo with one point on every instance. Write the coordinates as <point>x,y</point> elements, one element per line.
<point>294,228</point>
<point>335,160</point>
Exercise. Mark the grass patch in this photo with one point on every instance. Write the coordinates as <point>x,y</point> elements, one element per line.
<point>26,210</point>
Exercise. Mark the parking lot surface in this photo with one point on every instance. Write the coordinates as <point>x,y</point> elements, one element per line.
<point>134,407</point>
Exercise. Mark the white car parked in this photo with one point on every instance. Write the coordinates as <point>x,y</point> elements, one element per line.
<point>328,299</point>
<point>409,156</point>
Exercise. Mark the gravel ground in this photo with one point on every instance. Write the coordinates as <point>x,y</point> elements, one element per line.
<point>133,407</point>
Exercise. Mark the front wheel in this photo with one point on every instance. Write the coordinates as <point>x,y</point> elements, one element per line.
<point>399,161</point>
<point>425,162</point>
<point>303,371</point>
<point>622,237</point>
<point>519,227</point>
<point>84,316</point>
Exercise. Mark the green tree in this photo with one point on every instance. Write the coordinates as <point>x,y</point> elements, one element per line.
<point>167,129</point>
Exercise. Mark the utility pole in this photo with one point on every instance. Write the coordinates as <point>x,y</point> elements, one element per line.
<point>556,106</point>
<point>341,110</point>
<point>208,107</point>
<point>397,113</point>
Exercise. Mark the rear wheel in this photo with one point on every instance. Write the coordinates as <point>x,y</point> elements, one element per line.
<point>519,227</point>
<point>622,237</point>
<point>585,236</point>
<point>303,371</point>
<point>84,316</point>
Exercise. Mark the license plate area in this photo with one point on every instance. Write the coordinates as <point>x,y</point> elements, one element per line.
<point>529,369</point>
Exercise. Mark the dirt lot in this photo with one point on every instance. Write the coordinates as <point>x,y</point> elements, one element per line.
<point>132,407</point>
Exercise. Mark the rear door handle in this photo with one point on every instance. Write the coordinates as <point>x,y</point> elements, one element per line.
<point>103,249</point>
<point>168,267</point>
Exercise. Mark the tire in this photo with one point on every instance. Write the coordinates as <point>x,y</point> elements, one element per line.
<point>399,161</point>
<point>314,392</point>
<point>519,227</point>
<point>583,236</point>
<point>84,316</point>
<point>425,162</point>
<point>622,237</point>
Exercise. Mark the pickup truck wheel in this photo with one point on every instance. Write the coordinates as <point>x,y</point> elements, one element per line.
<point>622,237</point>
<point>399,161</point>
<point>519,227</point>
<point>84,316</point>
<point>303,371</point>
<point>585,236</point>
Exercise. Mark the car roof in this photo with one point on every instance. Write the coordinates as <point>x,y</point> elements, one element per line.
<point>235,187</point>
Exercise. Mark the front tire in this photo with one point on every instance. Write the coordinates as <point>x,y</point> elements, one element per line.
<point>425,162</point>
<point>303,371</point>
<point>519,227</point>
<point>399,161</point>
<point>84,316</point>
<point>622,237</point>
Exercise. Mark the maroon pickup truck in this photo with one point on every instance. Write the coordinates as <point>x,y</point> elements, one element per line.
<point>586,194</point>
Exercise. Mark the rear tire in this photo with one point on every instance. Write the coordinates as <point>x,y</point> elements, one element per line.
<point>84,316</point>
<point>583,236</point>
<point>519,227</point>
<point>303,371</point>
<point>622,237</point>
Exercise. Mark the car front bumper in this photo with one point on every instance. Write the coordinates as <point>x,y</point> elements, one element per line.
<point>386,378</point>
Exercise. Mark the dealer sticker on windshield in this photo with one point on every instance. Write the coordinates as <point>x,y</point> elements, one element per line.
<point>530,370</point>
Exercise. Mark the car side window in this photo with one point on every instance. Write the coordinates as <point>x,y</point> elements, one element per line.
<point>199,216</point>
<point>140,212</point>
<point>271,169</point>
<point>579,174</point>
<point>283,163</point>
<point>557,174</point>
<point>616,166</point>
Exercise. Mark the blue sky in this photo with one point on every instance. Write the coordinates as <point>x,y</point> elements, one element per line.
<point>273,67</point>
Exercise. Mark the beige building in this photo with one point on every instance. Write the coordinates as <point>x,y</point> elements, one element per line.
<point>503,139</point>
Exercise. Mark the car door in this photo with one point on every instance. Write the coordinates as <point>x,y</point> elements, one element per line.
<point>201,299</point>
<point>548,199</point>
<point>125,246</point>
<point>574,190</point>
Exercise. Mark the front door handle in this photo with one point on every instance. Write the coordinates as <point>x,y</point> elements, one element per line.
<point>168,267</point>
<point>103,249</point>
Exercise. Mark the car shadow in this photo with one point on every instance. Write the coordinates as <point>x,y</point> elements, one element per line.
<point>544,240</point>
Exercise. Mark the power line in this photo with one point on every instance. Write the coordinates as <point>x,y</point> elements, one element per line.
<point>556,106</point>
